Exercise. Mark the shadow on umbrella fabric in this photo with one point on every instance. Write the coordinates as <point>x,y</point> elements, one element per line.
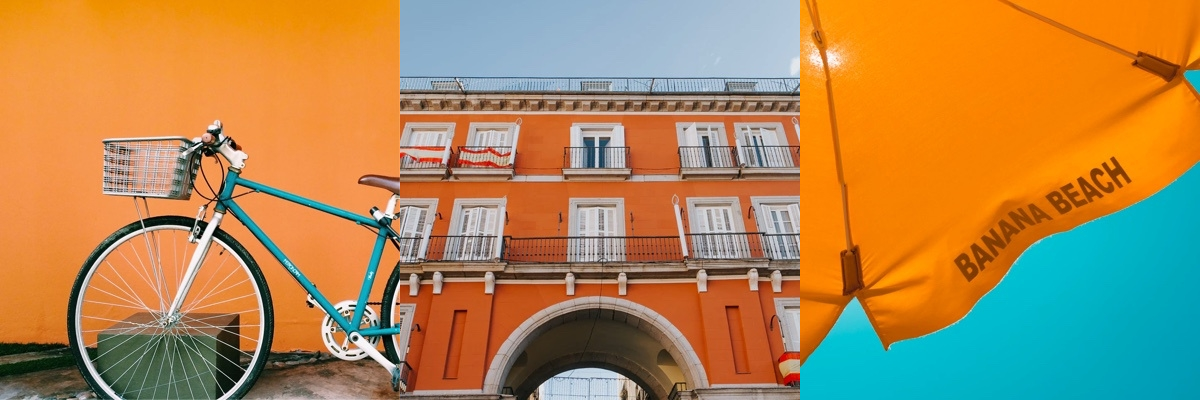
<point>942,139</point>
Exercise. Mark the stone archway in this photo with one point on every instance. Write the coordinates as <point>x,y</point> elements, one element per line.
<point>631,340</point>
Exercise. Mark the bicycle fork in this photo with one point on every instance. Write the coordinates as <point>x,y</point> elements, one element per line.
<point>172,314</point>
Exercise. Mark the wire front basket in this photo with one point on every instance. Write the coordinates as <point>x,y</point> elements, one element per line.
<point>160,167</point>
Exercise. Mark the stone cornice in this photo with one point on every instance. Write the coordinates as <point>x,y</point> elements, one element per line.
<point>608,102</point>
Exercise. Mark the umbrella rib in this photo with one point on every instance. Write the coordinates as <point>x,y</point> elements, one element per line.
<point>818,37</point>
<point>1070,30</point>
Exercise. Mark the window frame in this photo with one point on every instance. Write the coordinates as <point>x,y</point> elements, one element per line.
<point>457,219</point>
<point>762,220</point>
<point>405,335</point>
<point>475,127</point>
<point>574,206</point>
<point>714,129</point>
<point>736,245</point>
<point>615,134</point>
<point>430,206</point>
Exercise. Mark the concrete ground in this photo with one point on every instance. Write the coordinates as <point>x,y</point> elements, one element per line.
<point>287,376</point>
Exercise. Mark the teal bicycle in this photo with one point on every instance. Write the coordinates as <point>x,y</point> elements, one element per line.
<point>174,307</point>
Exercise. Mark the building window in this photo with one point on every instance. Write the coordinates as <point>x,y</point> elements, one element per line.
<point>717,231</point>
<point>489,145</point>
<point>703,145</point>
<point>788,310</point>
<point>413,223</point>
<point>597,146</point>
<point>763,145</point>
<point>597,230</point>
<point>425,145</point>
<point>404,315</point>
<point>778,217</point>
<point>476,229</point>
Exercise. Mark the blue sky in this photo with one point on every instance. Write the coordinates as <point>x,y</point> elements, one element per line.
<point>1079,316</point>
<point>623,38</point>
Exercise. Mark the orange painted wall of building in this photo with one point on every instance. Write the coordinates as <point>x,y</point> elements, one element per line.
<point>700,317</point>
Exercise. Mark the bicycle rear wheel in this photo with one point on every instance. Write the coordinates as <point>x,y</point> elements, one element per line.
<point>125,344</point>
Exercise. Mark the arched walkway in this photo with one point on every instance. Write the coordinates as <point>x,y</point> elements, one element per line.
<point>605,332</point>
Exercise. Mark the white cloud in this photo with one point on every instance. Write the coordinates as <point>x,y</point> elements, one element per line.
<point>794,69</point>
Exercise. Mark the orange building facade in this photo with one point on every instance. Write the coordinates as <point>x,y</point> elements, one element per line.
<point>648,227</point>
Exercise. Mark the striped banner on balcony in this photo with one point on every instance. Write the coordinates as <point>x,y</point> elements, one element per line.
<point>789,367</point>
<point>484,157</point>
<point>423,154</point>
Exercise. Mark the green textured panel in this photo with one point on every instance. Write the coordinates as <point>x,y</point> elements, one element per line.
<point>196,358</point>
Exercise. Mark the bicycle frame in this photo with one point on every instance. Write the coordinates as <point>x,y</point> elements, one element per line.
<point>226,202</point>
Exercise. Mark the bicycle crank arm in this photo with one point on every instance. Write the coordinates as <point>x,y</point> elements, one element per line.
<point>369,348</point>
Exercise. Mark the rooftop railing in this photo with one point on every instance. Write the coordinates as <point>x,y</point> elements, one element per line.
<point>777,86</point>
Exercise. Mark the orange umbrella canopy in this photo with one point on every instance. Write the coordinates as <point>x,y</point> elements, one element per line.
<point>941,139</point>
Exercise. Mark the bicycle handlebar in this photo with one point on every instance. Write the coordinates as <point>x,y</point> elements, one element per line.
<point>216,142</point>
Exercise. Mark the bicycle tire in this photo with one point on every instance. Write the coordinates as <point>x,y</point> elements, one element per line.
<point>124,345</point>
<point>387,311</point>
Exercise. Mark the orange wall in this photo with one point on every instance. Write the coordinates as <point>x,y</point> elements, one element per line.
<point>700,317</point>
<point>279,74</point>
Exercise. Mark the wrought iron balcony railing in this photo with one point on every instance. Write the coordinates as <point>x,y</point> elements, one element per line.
<point>600,157</point>
<point>464,248</point>
<point>781,246</point>
<point>726,246</point>
<point>593,249</point>
<point>769,156</point>
<point>708,157</point>
<point>741,86</point>
<point>599,249</point>
<point>497,157</point>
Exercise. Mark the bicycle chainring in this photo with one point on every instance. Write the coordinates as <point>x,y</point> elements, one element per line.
<point>336,339</point>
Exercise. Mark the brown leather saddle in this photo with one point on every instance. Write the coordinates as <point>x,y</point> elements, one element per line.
<point>391,183</point>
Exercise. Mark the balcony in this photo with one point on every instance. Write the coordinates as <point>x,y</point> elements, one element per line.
<point>424,162</point>
<point>464,248</point>
<point>596,163</point>
<point>708,162</point>
<point>743,245</point>
<point>769,161</point>
<point>635,249</point>
<point>483,163</point>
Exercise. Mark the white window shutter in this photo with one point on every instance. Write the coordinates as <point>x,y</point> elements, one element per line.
<point>576,136</point>
<point>617,156</point>
<point>470,224</point>
<point>690,136</point>
<point>489,221</point>
<point>411,221</point>
<point>577,154</point>
<point>702,220</point>
<point>610,222</point>
<point>587,221</point>
<point>793,328</point>
<point>769,137</point>
<point>794,210</point>
<point>516,134</point>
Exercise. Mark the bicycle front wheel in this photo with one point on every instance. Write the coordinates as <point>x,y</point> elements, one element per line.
<point>128,346</point>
